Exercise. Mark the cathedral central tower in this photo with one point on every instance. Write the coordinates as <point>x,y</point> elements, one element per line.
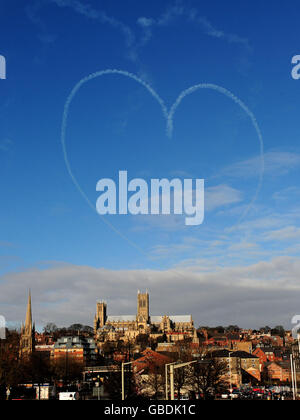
<point>101,315</point>
<point>143,309</point>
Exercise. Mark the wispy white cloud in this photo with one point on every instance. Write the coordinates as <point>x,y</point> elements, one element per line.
<point>162,251</point>
<point>289,193</point>
<point>145,22</point>
<point>285,234</point>
<point>261,224</point>
<point>276,164</point>
<point>242,246</point>
<point>220,196</point>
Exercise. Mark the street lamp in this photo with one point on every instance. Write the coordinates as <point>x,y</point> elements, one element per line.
<point>123,382</point>
<point>292,376</point>
<point>98,377</point>
<point>167,385</point>
<point>230,373</point>
<point>295,379</point>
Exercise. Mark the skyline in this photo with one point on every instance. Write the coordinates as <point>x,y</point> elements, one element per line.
<point>241,265</point>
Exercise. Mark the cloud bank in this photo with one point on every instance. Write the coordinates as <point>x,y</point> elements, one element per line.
<point>253,296</point>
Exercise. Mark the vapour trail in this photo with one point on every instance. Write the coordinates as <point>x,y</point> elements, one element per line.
<point>64,128</point>
<point>169,115</point>
<point>189,91</point>
<point>63,140</point>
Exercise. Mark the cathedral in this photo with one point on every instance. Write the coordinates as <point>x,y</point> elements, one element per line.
<point>112,327</point>
<point>27,337</point>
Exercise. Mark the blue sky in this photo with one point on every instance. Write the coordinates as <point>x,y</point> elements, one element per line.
<point>115,124</point>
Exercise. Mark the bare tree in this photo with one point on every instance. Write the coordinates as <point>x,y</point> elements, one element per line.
<point>181,376</point>
<point>151,382</point>
<point>207,376</point>
<point>50,328</point>
<point>113,385</point>
<point>68,369</point>
<point>10,374</point>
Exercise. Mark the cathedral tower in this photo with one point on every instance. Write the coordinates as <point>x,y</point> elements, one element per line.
<point>143,309</point>
<point>101,315</point>
<point>27,338</point>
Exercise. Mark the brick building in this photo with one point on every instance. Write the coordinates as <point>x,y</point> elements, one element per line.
<point>278,371</point>
<point>79,349</point>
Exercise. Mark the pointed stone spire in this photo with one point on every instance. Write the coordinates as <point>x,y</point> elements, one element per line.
<point>28,322</point>
<point>27,339</point>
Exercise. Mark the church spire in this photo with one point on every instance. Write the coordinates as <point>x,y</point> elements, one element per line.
<point>28,322</point>
<point>27,338</point>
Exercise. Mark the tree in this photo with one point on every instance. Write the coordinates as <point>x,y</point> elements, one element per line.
<point>50,328</point>
<point>74,328</point>
<point>10,374</point>
<point>265,330</point>
<point>35,368</point>
<point>67,369</point>
<point>143,341</point>
<point>279,330</point>
<point>220,329</point>
<point>182,354</point>
<point>181,376</point>
<point>113,383</point>
<point>233,328</point>
<point>151,383</point>
<point>162,339</point>
<point>88,330</point>
<point>207,376</point>
<point>108,349</point>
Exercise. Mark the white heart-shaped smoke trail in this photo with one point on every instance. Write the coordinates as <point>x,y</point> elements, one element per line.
<point>64,127</point>
<point>169,115</point>
<point>189,91</point>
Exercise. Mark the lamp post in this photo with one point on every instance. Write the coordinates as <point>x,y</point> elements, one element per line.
<point>123,382</point>
<point>292,375</point>
<point>298,337</point>
<point>295,378</point>
<point>98,377</point>
<point>230,373</point>
<point>167,385</point>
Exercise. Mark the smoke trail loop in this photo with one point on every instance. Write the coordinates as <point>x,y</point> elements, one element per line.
<point>230,95</point>
<point>169,116</point>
